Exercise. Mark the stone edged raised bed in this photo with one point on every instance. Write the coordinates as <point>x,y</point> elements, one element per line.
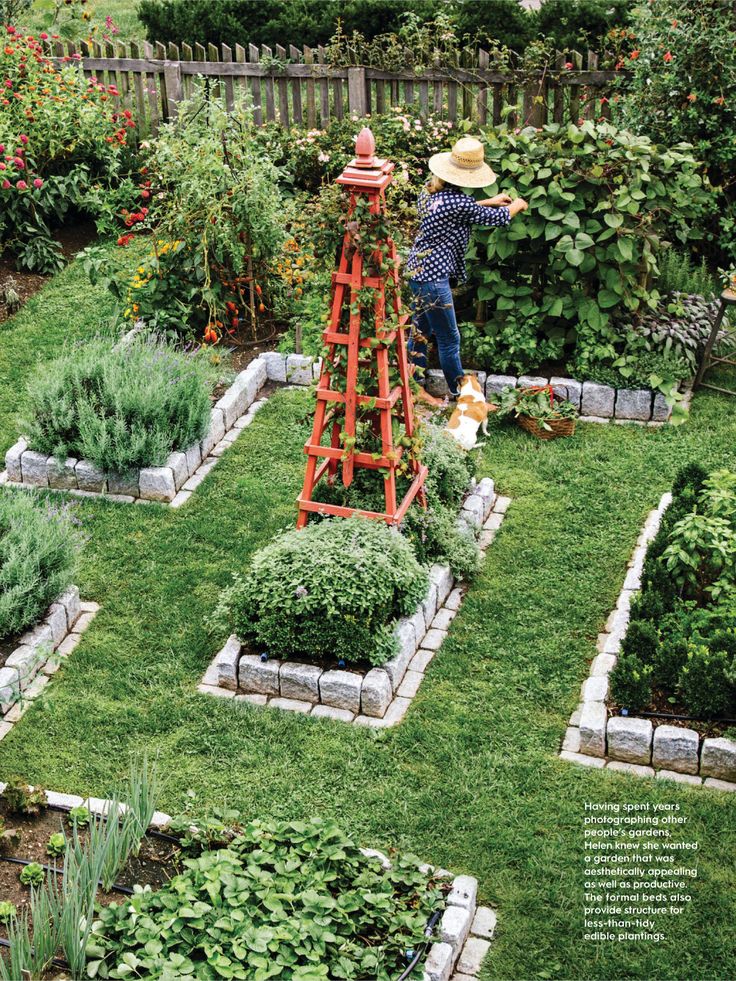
<point>628,744</point>
<point>183,472</point>
<point>379,697</point>
<point>39,653</point>
<point>464,932</point>
<point>595,402</point>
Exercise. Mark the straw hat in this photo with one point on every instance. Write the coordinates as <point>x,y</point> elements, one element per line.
<point>463,165</point>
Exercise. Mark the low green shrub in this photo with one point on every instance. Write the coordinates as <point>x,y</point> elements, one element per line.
<point>121,408</point>
<point>450,468</point>
<point>631,682</point>
<point>297,902</point>
<point>703,682</point>
<point>38,549</point>
<point>328,592</point>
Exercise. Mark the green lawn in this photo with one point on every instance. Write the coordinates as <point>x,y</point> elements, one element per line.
<point>471,779</point>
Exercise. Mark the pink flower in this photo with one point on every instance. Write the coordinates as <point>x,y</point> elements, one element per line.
<point>19,163</point>
<point>23,138</point>
<point>2,148</point>
<point>21,185</point>
<point>5,185</point>
<point>568,64</point>
<point>44,36</point>
<point>38,183</point>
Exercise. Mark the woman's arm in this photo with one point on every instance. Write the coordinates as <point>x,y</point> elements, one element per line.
<point>492,211</point>
<point>504,200</point>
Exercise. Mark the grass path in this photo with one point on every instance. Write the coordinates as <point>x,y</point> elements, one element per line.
<point>471,779</point>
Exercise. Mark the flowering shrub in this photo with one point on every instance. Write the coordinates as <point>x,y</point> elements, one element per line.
<point>59,132</point>
<point>583,257</point>
<point>38,548</point>
<point>121,408</point>
<point>676,94</point>
<point>328,592</point>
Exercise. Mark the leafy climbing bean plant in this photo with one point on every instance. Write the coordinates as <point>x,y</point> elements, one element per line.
<point>296,901</point>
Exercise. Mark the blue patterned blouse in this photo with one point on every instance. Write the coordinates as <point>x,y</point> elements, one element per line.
<point>445,218</point>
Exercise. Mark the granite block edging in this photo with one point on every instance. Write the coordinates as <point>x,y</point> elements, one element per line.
<point>594,402</point>
<point>463,934</point>
<point>174,482</point>
<point>39,654</point>
<point>377,698</point>
<point>628,744</point>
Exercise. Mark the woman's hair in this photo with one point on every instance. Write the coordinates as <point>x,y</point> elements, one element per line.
<point>435,184</point>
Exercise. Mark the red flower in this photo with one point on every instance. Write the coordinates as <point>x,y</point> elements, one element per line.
<point>23,138</point>
<point>5,185</point>
<point>38,183</point>
<point>668,56</point>
<point>19,163</point>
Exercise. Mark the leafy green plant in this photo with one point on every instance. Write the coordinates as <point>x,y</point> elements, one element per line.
<point>289,901</point>
<point>38,553</point>
<point>7,911</point>
<point>56,845</point>
<point>700,549</point>
<point>582,259</point>
<point>704,682</point>
<point>22,799</point>
<point>32,874</point>
<point>679,274</point>
<point>331,591</point>
<point>631,682</point>
<point>121,407</point>
<point>539,405</point>
<point>79,816</point>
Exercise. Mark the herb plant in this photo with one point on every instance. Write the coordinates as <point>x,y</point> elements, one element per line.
<point>537,405</point>
<point>121,408</point>
<point>296,901</point>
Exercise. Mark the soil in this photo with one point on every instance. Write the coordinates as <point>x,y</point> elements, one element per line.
<point>73,238</point>
<point>156,863</point>
<point>660,703</point>
<point>327,664</point>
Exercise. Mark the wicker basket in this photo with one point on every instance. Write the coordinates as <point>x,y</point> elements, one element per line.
<point>558,427</point>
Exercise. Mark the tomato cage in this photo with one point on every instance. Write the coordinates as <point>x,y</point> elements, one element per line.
<point>364,417</point>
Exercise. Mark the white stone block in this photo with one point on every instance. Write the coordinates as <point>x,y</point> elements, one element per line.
<point>300,681</point>
<point>214,433</point>
<point>661,412</point>
<point>90,477</point>
<point>593,729</point>
<point>455,927</point>
<point>69,599</point>
<point>330,712</point>
<point>595,689</point>
<point>484,922</point>
<point>157,484</point>
<point>486,489</point>
<point>568,389</point>
<point>635,769</point>
<point>275,365</point>
<point>13,460</point>
<point>715,784</point>
<point>496,384</point>
<point>675,748</point>
<point>597,400</point>
<point>123,483</point>
<point>634,403</point>
<point>376,693</point>
<point>34,468</point>
<point>58,623</point>
<point>571,742</point>
<point>602,664</point>
<point>407,641</point>
<point>194,458</point>
<point>474,510</point>
<point>227,663</point>
<point>257,676</point>
<point>439,963</point>
<point>433,639</point>
<point>676,777</point>
<point>582,759</point>
<point>291,705</point>
<point>471,956</point>
<point>532,381</point>
<point>340,689</point>
<point>718,759</point>
<point>177,463</point>
<point>299,369</point>
<point>630,739</point>
<point>442,577</point>
<point>464,892</point>
<point>61,473</point>
<point>429,603</point>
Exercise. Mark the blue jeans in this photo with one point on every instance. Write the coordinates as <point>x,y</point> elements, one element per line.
<point>433,315</point>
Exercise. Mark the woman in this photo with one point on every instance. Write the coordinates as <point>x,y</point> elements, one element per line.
<point>437,258</point>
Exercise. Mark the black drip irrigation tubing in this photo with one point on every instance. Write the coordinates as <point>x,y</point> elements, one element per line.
<point>115,887</point>
<point>421,951</point>
<point>682,718</point>
<point>150,833</point>
<point>56,961</point>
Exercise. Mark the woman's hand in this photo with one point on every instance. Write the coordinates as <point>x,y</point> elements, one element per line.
<point>499,201</point>
<point>517,205</point>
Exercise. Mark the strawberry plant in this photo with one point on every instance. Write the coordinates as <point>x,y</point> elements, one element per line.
<point>290,901</point>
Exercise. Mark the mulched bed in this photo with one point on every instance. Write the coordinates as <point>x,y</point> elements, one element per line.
<point>156,863</point>
<point>660,703</point>
<point>72,239</point>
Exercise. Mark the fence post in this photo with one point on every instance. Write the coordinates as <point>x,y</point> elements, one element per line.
<point>172,81</point>
<point>356,91</point>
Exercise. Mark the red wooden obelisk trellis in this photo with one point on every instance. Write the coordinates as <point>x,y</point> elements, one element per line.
<point>355,356</point>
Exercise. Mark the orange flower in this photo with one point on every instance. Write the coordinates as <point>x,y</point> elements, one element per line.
<point>692,97</point>
<point>668,56</point>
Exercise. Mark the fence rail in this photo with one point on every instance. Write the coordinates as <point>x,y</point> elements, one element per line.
<point>299,87</point>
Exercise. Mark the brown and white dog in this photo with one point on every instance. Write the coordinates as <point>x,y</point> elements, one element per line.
<point>470,415</point>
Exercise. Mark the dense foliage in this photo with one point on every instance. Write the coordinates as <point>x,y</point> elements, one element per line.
<point>681,641</point>
<point>582,260</point>
<point>682,89</point>
<point>567,23</point>
<point>329,592</point>
<point>296,901</point>
<point>60,135</point>
<point>38,547</point>
<point>121,407</point>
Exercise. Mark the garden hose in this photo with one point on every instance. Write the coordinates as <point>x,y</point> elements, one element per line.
<point>418,954</point>
<point>115,887</point>
<point>684,718</point>
<point>151,833</point>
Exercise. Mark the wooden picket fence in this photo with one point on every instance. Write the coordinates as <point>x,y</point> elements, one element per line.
<point>297,87</point>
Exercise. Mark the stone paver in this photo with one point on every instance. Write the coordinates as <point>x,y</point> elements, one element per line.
<point>472,955</point>
<point>675,748</point>
<point>330,712</point>
<point>376,693</point>
<point>341,689</point>
<point>300,681</point>
<point>718,759</point>
<point>291,705</point>
<point>593,729</point>
<point>257,676</point>
<point>630,739</point>
<point>597,400</point>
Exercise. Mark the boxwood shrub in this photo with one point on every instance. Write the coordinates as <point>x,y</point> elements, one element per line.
<point>680,647</point>
<point>121,407</point>
<point>38,548</point>
<point>293,902</point>
<point>328,592</point>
